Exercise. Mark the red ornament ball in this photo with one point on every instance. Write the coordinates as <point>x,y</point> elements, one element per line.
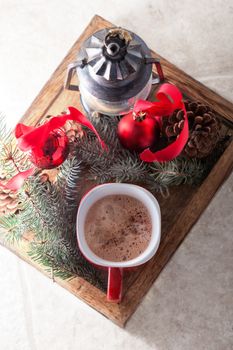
<point>54,151</point>
<point>138,131</point>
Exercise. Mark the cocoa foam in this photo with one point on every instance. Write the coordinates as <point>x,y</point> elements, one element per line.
<point>118,228</point>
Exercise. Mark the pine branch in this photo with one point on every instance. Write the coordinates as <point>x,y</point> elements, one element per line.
<point>130,169</point>
<point>49,209</point>
<point>107,128</point>
<point>69,186</point>
<point>45,213</point>
<point>12,160</point>
<point>5,133</point>
<point>68,181</point>
<point>120,165</point>
<point>11,228</point>
<point>88,151</point>
<point>177,172</point>
<point>42,209</point>
<point>65,261</point>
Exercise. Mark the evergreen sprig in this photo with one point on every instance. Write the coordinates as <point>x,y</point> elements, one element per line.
<point>120,165</point>
<point>177,172</point>
<point>64,260</point>
<point>11,229</point>
<point>5,133</point>
<point>122,170</point>
<point>68,180</point>
<point>46,211</point>
<point>49,208</point>
<point>12,160</point>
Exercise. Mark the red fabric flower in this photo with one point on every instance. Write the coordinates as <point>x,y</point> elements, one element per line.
<point>34,138</point>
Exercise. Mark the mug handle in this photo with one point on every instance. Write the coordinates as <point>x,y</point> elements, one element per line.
<point>115,279</point>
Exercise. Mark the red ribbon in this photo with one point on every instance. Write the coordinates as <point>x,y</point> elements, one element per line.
<point>17,181</point>
<point>33,138</point>
<point>169,99</point>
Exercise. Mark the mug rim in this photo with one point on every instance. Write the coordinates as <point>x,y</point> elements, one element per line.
<point>119,188</point>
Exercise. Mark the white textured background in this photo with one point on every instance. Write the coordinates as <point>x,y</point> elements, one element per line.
<point>191,304</point>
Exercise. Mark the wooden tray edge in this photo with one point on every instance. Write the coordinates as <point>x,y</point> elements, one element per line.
<point>39,106</point>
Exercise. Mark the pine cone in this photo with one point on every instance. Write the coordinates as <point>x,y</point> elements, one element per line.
<point>204,129</point>
<point>8,202</point>
<point>73,130</point>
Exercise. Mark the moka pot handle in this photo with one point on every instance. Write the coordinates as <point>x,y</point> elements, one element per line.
<point>156,79</point>
<point>70,71</point>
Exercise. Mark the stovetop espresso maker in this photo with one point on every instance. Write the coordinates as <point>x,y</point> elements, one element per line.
<point>114,69</point>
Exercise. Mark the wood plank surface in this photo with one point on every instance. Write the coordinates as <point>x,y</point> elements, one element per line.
<point>179,212</point>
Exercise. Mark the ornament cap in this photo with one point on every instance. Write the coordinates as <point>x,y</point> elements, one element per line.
<point>139,116</point>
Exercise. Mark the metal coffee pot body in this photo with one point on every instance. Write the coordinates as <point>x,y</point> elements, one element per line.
<point>114,69</point>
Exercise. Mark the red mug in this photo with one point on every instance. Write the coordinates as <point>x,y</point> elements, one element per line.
<point>115,269</point>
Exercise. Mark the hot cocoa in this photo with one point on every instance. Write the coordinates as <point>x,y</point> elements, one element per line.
<point>118,228</point>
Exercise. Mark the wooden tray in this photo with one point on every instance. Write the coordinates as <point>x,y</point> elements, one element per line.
<point>179,212</point>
